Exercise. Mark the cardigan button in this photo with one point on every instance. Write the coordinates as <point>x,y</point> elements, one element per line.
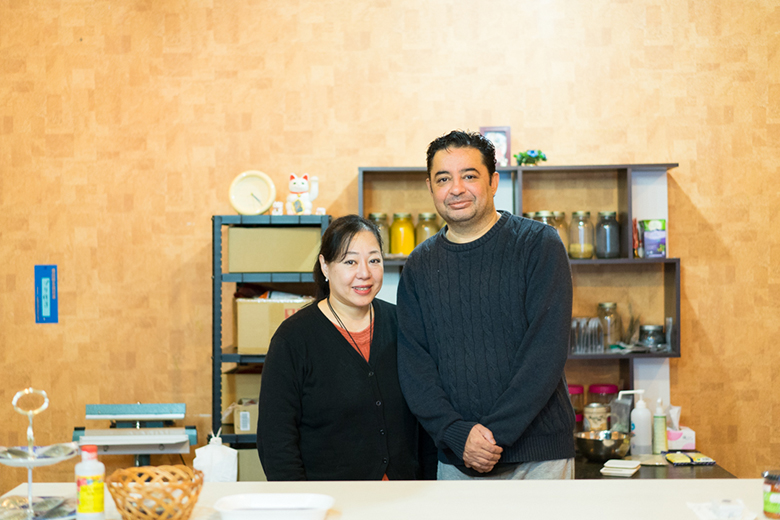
<point>384,461</point>
<point>370,374</point>
<point>379,403</point>
<point>381,432</point>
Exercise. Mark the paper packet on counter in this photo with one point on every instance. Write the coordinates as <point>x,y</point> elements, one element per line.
<point>693,458</point>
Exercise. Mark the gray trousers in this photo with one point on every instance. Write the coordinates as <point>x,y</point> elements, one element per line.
<point>561,469</point>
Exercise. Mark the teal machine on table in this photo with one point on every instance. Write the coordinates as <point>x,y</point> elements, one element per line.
<point>139,429</point>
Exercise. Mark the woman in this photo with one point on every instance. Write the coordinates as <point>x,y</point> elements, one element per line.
<point>330,404</point>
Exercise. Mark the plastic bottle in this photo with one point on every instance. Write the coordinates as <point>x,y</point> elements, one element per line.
<point>90,474</point>
<point>641,428</point>
<point>659,428</point>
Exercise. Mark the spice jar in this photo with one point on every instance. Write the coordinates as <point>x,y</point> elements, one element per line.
<point>772,493</point>
<point>607,235</point>
<point>561,227</point>
<point>426,227</point>
<point>580,235</point>
<point>576,395</point>
<point>380,220</point>
<point>610,323</point>
<point>545,217</point>
<point>595,417</point>
<point>402,234</point>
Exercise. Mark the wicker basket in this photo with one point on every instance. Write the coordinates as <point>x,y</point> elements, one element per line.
<point>155,492</point>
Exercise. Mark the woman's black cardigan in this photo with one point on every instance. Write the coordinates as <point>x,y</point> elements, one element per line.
<point>327,414</point>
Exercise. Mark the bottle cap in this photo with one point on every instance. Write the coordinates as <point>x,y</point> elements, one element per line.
<point>89,452</point>
<point>603,389</point>
<point>575,389</point>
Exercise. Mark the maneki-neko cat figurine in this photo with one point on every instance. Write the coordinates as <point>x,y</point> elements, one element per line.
<point>303,190</point>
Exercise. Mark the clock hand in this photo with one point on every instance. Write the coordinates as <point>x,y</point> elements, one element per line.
<point>255,197</point>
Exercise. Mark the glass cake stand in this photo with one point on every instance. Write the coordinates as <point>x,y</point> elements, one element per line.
<point>32,456</point>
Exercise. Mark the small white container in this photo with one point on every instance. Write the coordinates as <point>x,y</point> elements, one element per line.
<point>274,506</point>
<point>90,485</point>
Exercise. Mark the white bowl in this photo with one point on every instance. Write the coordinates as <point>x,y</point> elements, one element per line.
<point>274,506</point>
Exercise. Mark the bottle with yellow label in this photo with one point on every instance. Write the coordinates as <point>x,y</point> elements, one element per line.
<point>90,474</point>
<point>402,234</point>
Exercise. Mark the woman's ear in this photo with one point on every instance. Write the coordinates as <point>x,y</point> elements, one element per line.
<point>324,267</point>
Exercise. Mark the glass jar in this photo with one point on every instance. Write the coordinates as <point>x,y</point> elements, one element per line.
<point>607,235</point>
<point>529,215</point>
<point>426,227</point>
<point>561,227</point>
<point>402,234</point>
<point>595,417</point>
<point>610,323</point>
<point>576,395</point>
<point>380,220</point>
<point>652,335</point>
<point>602,393</point>
<point>772,493</point>
<point>545,217</point>
<point>580,235</point>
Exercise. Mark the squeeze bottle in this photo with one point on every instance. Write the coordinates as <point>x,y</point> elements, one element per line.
<point>641,428</point>
<point>659,429</point>
<point>90,474</point>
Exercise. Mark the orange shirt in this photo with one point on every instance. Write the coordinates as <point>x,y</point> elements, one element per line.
<point>362,338</point>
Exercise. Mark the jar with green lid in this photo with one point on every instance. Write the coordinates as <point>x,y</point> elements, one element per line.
<point>545,217</point>
<point>580,235</point>
<point>561,227</point>
<point>380,220</point>
<point>607,235</point>
<point>426,227</point>
<point>402,234</point>
<point>530,215</point>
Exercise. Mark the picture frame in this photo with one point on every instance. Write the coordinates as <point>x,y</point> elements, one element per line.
<point>501,138</point>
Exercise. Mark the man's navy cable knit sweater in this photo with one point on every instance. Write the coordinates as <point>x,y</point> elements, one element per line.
<point>483,338</point>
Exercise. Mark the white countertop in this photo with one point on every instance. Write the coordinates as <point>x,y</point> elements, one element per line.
<point>407,500</point>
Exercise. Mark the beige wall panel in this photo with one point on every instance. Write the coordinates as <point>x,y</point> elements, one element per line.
<point>122,125</point>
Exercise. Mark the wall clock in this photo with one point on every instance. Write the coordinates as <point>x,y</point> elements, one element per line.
<point>252,193</point>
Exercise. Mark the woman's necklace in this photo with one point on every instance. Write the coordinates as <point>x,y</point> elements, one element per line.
<point>370,325</point>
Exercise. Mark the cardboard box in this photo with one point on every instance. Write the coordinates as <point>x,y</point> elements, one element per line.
<point>245,416</point>
<point>249,467</point>
<point>256,321</point>
<point>238,385</point>
<point>682,439</point>
<point>288,249</point>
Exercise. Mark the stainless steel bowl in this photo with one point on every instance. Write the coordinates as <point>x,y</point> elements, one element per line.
<point>602,445</point>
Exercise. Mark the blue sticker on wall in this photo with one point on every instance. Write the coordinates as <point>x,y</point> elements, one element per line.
<point>46,302</point>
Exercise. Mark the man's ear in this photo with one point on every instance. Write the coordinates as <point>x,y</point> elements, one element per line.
<point>428,183</point>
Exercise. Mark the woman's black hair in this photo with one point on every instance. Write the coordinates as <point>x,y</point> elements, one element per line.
<point>335,242</point>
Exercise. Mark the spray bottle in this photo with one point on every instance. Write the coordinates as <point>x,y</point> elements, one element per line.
<point>659,428</point>
<point>90,474</point>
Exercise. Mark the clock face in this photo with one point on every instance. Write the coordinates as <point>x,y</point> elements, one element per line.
<point>252,193</point>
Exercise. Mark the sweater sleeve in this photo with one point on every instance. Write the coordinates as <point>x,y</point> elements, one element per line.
<point>540,358</point>
<point>279,413</point>
<point>419,376</point>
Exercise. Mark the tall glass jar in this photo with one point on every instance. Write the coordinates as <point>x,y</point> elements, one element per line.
<point>380,220</point>
<point>561,227</point>
<point>402,234</point>
<point>580,235</point>
<point>426,227</point>
<point>607,235</point>
<point>545,217</point>
<point>610,323</point>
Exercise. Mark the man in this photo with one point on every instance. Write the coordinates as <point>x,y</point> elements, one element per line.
<point>484,311</point>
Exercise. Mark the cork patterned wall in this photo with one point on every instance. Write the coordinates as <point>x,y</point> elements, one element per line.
<point>122,124</point>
